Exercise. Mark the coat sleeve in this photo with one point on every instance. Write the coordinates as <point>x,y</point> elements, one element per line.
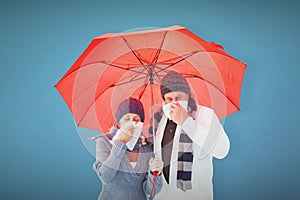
<point>208,134</point>
<point>108,160</point>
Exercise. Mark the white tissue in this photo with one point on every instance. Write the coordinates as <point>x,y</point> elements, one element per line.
<point>166,107</point>
<point>136,134</point>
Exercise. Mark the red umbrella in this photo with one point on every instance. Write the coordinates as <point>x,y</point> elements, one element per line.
<point>132,64</point>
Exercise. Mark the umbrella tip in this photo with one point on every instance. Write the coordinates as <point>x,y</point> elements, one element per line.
<point>218,46</point>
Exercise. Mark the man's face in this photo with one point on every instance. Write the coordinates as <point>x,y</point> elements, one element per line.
<point>176,96</point>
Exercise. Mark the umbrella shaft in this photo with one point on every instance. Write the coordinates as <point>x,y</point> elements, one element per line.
<point>151,74</point>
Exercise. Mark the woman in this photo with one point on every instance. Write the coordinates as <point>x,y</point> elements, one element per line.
<point>127,174</point>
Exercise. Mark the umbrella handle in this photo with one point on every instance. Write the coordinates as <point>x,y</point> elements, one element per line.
<point>153,192</point>
<point>155,173</point>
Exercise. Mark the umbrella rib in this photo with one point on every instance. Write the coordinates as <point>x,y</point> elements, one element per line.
<point>157,76</point>
<point>143,91</point>
<point>132,80</point>
<point>120,67</point>
<point>210,83</point>
<point>171,60</point>
<point>159,50</point>
<point>158,79</point>
<point>195,52</point>
<point>134,53</point>
<point>137,74</point>
<point>186,56</point>
<point>103,62</point>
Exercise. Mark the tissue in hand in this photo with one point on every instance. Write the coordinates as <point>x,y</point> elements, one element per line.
<point>136,134</point>
<point>166,107</point>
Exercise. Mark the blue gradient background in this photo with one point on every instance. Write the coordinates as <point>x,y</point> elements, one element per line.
<point>42,156</point>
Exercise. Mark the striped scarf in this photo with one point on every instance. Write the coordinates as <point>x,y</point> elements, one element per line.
<point>185,152</point>
<point>185,161</point>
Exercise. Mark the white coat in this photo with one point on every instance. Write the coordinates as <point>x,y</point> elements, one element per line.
<point>209,140</point>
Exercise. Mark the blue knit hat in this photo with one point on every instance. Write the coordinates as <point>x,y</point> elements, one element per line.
<point>130,105</point>
<point>174,82</point>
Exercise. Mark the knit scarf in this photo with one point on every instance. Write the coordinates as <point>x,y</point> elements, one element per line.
<point>184,163</point>
<point>185,152</point>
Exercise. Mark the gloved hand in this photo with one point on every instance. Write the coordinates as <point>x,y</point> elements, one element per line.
<point>156,164</point>
<point>125,133</point>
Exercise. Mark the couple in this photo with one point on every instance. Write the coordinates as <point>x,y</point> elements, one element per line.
<point>187,137</point>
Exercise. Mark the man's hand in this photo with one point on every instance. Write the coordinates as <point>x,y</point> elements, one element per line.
<point>156,164</point>
<point>178,114</point>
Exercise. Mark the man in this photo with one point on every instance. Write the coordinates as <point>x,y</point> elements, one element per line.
<point>187,137</point>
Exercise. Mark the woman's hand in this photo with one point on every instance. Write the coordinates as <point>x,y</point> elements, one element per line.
<point>126,134</point>
<point>156,164</point>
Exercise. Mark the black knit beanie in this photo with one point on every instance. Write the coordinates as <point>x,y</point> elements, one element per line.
<point>130,105</point>
<point>174,82</point>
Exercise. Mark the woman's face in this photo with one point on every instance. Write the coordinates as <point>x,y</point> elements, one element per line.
<point>129,117</point>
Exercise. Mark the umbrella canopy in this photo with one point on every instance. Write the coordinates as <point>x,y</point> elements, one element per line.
<point>132,64</point>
